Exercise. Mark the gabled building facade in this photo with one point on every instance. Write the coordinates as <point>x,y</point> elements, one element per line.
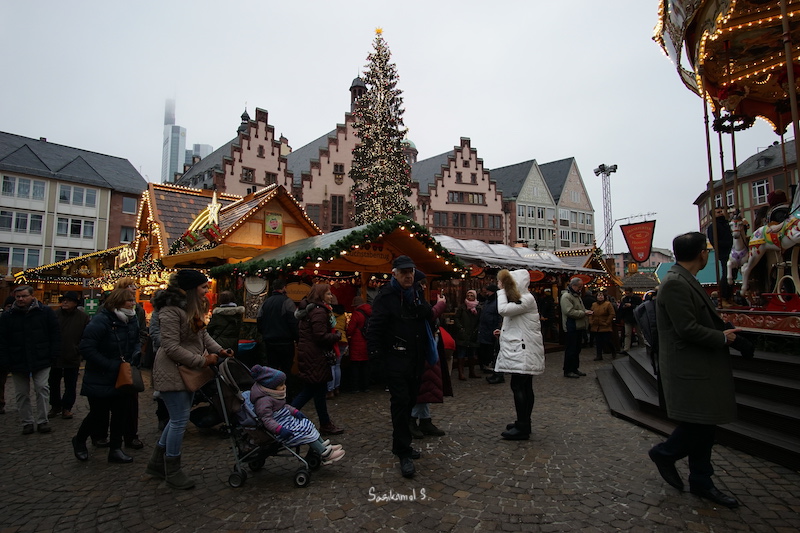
<point>574,211</point>
<point>58,202</point>
<point>456,196</point>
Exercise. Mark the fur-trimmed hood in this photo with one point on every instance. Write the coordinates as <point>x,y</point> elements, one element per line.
<point>228,311</point>
<point>170,297</point>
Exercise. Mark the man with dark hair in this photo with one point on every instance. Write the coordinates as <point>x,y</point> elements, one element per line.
<point>723,245</point>
<point>627,304</point>
<point>695,370</point>
<point>278,328</point>
<point>31,343</point>
<point>488,321</point>
<point>71,323</point>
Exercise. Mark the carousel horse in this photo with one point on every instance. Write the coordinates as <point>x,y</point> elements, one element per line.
<point>766,238</point>
<point>738,256</point>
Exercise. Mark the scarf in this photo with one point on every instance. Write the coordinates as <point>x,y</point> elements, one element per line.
<point>472,305</point>
<point>277,394</point>
<point>125,314</point>
<point>409,295</point>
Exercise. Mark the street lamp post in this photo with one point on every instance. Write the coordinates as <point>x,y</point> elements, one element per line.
<point>606,171</point>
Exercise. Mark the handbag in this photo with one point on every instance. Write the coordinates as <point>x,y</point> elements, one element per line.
<point>194,378</point>
<point>129,378</point>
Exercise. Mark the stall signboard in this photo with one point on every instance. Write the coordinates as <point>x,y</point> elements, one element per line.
<point>273,223</point>
<point>639,238</point>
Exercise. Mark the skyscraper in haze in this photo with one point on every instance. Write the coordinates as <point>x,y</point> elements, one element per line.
<point>174,149</point>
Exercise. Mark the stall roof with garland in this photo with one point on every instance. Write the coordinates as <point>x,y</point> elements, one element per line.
<point>586,257</point>
<point>400,236</point>
<point>53,272</point>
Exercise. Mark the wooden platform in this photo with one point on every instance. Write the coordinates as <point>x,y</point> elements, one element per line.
<point>767,399</point>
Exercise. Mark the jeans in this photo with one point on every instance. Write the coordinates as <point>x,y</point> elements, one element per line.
<point>522,387</point>
<point>178,403</point>
<point>22,389</point>
<point>70,377</point>
<point>96,422</point>
<point>421,410</point>
<point>318,392</point>
<point>336,370</point>
<point>572,351</point>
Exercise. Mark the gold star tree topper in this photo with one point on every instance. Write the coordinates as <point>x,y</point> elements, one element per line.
<point>378,31</point>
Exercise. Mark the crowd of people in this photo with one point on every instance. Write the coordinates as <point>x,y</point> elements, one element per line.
<point>400,341</point>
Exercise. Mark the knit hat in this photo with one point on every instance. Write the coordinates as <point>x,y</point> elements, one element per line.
<point>271,378</point>
<point>189,279</point>
<point>71,295</point>
<point>491,287</point>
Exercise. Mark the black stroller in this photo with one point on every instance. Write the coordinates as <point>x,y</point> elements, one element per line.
<point>250,441</point>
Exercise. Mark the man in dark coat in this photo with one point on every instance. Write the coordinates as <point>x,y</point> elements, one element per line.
<point>488,322</point>
<point>31,343</point>
<point>278,328</point>
<point>695,370</point>
<point>400,337</point>
<point>723,246</point>
<point>627,304</point>
<point>71,323</point>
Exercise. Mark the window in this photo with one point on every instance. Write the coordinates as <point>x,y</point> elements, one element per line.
<point>72,195</point>
<point>521,233</point>
<point>63,255</point>
<point>23,188</point>
<point>573,217</point>
<point>21,222</point>
<point>473,178</point>
<point>270,178</point>
<point>564,234</point>
<point>540,213</point>
<point>460,220</point>
<point>495,222</point>
<point>126,234</point>
<point>18,258</point>
<point>588,219</point>
<point>543,234</point>
<point>338,173</point>
<point>563,217</point>
<point>582,218</point>
<point>439,219</point>
<point>5,220</point>
<point>248,175</point>
<point>75,227</point>
<point>760,192</point>
<point>521,211</point>
<point>466,198</point>
<point>476,220</point>
<point>337,212</point>
<point>129,205</point>
<point>718,200</point>
<point>729,197</point>
<point>531,234</point>
<point>531,212</point>
<point>313,211</point>
<point>459,179</point>
<point>551,214</point>
<point>465,163</point>
<point>573,236</point>
<point>260,151</point>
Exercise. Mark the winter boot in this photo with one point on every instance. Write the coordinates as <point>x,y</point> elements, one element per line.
<point>174,475</point>
<point>461,375</point>
<point>427,428</point>
<point>155,466</point>
<point>471,362</point>
<point>415,430</point>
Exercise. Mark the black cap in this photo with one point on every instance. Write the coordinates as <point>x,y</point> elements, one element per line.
<point>189,279</point>
<point>71,295</point>
<point>403,261</point>
<point>492,287</point>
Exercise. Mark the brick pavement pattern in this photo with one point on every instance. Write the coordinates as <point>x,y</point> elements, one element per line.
<point>582,470</point>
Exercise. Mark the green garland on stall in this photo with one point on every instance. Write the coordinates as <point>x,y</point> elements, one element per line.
<point>360,237</point>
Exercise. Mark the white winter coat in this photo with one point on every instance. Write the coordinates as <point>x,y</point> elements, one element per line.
<point>521,344</point>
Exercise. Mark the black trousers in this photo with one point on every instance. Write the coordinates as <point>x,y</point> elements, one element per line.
<point>70,377</point>
<point>403,377</point>
<point>695,442</point>
<point>96,422</point>
<point>572,351</point>
<point>522,387</point>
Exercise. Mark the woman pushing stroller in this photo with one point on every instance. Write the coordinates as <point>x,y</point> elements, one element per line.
<point>287,424</point>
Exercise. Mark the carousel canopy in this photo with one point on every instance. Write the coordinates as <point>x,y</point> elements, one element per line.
<point>502,256</point>
<point>735,53</point>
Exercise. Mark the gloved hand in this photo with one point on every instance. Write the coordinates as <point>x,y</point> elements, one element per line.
<point>299,415</point>
<point>227,352</point>
<point>285,434</point>
<point>211,359</point>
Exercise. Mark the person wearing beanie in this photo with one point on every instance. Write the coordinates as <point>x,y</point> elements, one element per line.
<point>286,423</point>
<point>226,322</point>
<point>184,341</point>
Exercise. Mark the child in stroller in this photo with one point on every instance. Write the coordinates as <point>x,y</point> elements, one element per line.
<point>267,399</point>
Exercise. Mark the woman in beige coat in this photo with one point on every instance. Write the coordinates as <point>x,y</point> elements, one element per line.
<point>601,324</point>
<point>182,309</point>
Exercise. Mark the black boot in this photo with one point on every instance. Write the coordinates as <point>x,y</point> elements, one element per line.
<point>427,428</point>
<point>79,448</point>
<point>115,455</point>
<point>496,378</point>
<point>517,433</point>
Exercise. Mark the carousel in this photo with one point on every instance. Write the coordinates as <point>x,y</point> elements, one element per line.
<point>734,54</point>
<point>740,57</point>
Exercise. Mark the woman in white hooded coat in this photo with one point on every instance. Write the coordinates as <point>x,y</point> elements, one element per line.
<point>521,346</point>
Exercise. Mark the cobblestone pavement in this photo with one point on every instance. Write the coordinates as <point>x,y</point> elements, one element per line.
<point>582,470</point>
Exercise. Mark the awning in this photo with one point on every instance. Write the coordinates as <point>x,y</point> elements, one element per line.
<point>216,255</point>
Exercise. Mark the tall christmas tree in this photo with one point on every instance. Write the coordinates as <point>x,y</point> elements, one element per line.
<point>381,176</point>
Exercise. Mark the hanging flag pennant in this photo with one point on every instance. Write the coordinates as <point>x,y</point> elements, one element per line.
<point>639,238</point>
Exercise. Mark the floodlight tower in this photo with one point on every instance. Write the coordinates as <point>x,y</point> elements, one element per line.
<point>606,171</point>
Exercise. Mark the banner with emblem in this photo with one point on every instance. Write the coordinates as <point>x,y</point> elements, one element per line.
<point>639,238</point>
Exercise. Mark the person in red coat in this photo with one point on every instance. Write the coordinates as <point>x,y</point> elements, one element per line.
<point>359,355</point>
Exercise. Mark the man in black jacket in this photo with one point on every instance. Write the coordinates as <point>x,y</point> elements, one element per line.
<point>278,327</point>
<point>399,337</point>
<point>722,246</point>
<point>31,342</point>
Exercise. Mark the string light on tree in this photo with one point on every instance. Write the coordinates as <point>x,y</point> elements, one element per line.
<point>381,176</point>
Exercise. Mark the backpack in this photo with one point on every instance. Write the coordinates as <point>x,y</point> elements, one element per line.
<point>365,328</point>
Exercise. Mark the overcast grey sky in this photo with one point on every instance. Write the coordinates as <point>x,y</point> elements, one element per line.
<point>522,79</point>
